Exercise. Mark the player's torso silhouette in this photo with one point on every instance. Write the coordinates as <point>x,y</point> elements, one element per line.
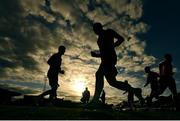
<point>55,62</point>
<point>106,47</point>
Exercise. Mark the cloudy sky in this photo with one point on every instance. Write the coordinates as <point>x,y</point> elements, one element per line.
<point>30,32</point>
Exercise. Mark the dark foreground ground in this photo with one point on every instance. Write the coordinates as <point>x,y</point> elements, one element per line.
<point>32,107</point>
<point>53,112</point>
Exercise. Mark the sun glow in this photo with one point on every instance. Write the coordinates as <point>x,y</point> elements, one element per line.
<point>79,85</point>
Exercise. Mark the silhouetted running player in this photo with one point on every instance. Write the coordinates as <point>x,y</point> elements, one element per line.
<point>55,68</point>
<point>152,79</point>
<point>166,77</point>
<point>108,60</point>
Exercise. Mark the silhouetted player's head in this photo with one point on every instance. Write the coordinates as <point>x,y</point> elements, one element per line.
<point>168,57</point>
<point>61,49</point>
<point>97,27</point>
<point>147,69</point>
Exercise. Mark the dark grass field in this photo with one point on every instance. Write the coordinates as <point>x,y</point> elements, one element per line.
<point>50,112</point>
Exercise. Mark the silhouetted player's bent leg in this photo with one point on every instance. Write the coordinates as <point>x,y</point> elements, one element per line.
<point>45,93</point>
<point>138,94</point>
<point>170,83</point>
<point>53,94</point>
<point>110,74</point>
<point>118,84</point>
<point>172,88</point>
<point>163,85</point>
<point>154,93</point>
<point>131,99</point>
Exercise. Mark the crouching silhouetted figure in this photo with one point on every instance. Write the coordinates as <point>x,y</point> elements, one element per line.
<point>134,92</point>
<point>85,96</point>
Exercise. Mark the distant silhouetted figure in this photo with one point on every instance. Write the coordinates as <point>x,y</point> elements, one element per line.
<point>134,92</point>
<point>103,96</point>
<point>166,77</point>
<point>68,25</point>
<point>55,68</point>
<point>152,79</point>
<point>85,96</point>
<point>108,60</point>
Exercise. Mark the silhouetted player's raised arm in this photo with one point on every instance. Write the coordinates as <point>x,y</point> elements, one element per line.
<point>119,38</point>
<point>113,35</point>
